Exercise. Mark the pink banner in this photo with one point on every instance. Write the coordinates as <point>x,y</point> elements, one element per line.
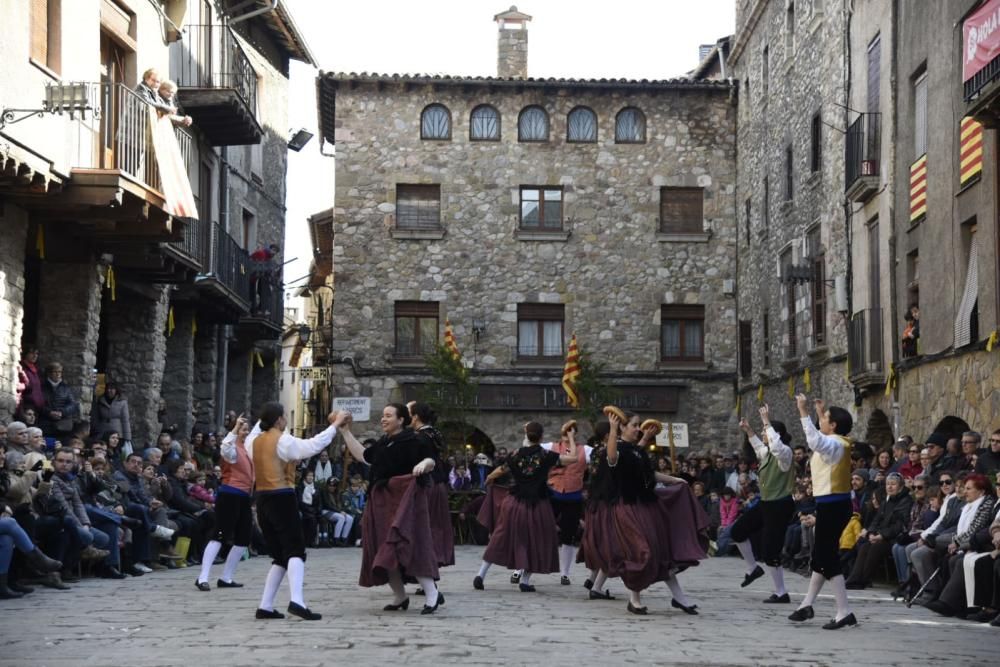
<point>980,38</point>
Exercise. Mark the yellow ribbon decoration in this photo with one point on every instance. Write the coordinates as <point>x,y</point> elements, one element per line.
<point>807,380</point>
<point>739,404</point>
<point>40,241</point>
<point>991,341</point>
<point>259,359</point>
<point>791,386</point>
<point>760,393</point>
<point>847,370</point>
<point>890,381</point>
<point>194,325</point>
<point>170,321</point>
<point>112,283</point>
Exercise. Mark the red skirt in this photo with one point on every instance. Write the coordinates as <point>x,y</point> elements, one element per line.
<point>687,524</point>
<point>489,512</point>
<point>441,531</point>
<point>396,532</point>
<point>524,537</point>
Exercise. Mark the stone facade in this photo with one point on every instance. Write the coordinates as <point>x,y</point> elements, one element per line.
<point>14,223</point>
<point>608,265</point>
<point>177,389</point>
<point>206,376</point>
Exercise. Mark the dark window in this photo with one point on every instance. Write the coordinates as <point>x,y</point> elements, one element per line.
<point>875,267</point>
<point>746,349</point>
<point>789,292</point>
<point>746,218</point>
<point>790,29</point>
<point>874,74</point>
<point>818,259</point>
<point>581,125</point>
<point>766,213</point>
<point>789,173</point>
<point>484,124</point>
<point>765,74</point>
<point>416,328</point>
<point>630,126</point>
<point>540,330</point>
<point>920,114</point>
<point>435,122</point>
<point>682,333</point>
<point>418,206</point>
<point>681,210</point>
<point>816,144</point>
<point>533,124</point>
<point>766,325</point>
<point>541,207</point>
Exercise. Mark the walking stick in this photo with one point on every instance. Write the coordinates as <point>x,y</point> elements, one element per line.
<point>909,601</point>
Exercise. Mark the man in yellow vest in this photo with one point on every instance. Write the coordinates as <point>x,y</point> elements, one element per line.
<point>274,454</point>
<point>831,478</point>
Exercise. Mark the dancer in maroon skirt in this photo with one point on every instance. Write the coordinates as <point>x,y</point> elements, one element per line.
<point>396,531</point>
<point>422,421</point>
<point>633,532</point>
<point>524,536</point>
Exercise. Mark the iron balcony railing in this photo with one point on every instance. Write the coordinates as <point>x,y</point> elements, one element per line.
<point>266,294</point>
<point>981,79</point>
<point>210,56</point>
<point>865,342</point>
<point>863,148</point>
<point>226,262</point>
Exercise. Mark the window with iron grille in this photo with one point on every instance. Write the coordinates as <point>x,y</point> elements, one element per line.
<point>484,124</point>
<point>789,292</point>
<point>766,326</point>
<point>541,207</point>
<point>816,144</point>
<point>533,124</point>
<point>435,122</point>
<point>540,330</point>
<point>766,213</point>
<point>765,73</point>
<point>581,126</point>
<point>682,333</point>
<point>746,349</point>
<point>789,173</point>
<point>681,210</point>
<point>416,328</point>
<point>818,292</point>
<point>630,126</point>
<point>418,206</point>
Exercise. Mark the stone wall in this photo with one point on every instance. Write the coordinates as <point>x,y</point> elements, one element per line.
<point>137,351</point>
<point>264,384</point>
<point>238,381</point>
<point>512,54</point>
<point>612,270</point>
<point>177,390</point>
<point>69,316</point>
<point>965,386</point>
<point>206,362</point>
<point>14,222</point>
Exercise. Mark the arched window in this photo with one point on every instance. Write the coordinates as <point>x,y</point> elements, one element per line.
<point>533,124</point>
<point>435,122</point>
<point>581,125</point>
<point>630,126</point>
<point>484,124</point>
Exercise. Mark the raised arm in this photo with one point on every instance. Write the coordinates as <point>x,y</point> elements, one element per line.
<point>612,444</point>
<point>759,448</point>
<point>356,448</point>
<point>668,479</point>
<point>291,448</point>
<point>569,457</point>
<point>228,447</point>
<point>778,449</point>
<point>827,446</point>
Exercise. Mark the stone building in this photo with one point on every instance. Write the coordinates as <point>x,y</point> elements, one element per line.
<point>100,270</point>
<point>526,210</point>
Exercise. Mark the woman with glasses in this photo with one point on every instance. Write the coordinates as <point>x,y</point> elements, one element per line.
<point>912,466</point>
<point>922,515</point>
<point>933,542</point>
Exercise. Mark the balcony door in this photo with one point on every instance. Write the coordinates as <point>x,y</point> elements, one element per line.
<point>112,73</point>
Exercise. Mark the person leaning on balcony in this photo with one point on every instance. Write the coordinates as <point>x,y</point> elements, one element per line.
<point>167,92</point>
<point>148,89</point>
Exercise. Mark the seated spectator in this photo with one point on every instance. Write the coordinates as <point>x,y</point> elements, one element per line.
<point>61,407</point>
<point>479,470</point>
<point>988,461</point>
<point>323,469</point>
<point>17,443</point>
<point>353,500</point>
<point>984,570</point>
<point>729,510</point>
<point>11,536</point>
<point>932,545</point>
<point>881,468</point>
<point>801,531</point>
<point>309,508</point>
<point>912,467</point>
<point>86,541</point>
<point>923,512</point>
<point>194,520</point>
<point>460,479</point>
<point>900,448</point>
<point>331,511</point>
<point>714,516</point>
<point>971,444</point>
<point>199,491</point>
<point>742,468</point>
<point>876,540</point>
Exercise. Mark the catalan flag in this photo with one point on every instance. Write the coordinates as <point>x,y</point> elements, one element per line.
<point>571,371</point>
<point>918,188</point>
<point>970,150</point>
<point>449,341</point>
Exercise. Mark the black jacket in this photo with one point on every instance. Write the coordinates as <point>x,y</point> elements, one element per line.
<point>893,516</point>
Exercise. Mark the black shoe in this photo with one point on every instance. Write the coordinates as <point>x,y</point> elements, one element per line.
<point>748,579</point>
<point>227,584</point>
<point>588,584</point>
<point>848,620</point>
<point>939,607</point>
<point>693,609</point>
<point>515,578</point>
<point>169,563</point>
<point>70,577</point>
<point>133,571</point>
<point>419,591</point>
<point>778,599</point>
<point>202,586</point>
<point>304,613</point>
<point>983,616</point>
<point>598,595</point>
<point>803,614</point>
<point>855,585</point>
<point>526,588</point>
<point>427,610</point>
<point>274,613</point>
<point>53,580</point>
<point>21,588</point>
<point>440,598</point>
<point>565,581</point>
<point>996,622</point>
<point>641,611</point>
<point>477,583</point>
<point>402,606</point>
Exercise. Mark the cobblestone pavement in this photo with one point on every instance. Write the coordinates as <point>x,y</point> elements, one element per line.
<point>160,619</point>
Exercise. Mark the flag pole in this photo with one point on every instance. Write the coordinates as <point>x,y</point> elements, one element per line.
<point>673,450</point>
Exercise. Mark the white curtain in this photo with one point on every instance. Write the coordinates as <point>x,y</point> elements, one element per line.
<point>552,339</point>
<point>527,338</point>
<point>963,328</point>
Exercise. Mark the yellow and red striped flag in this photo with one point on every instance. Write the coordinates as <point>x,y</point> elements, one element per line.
<point>449,341</point>
<point>918,188</point>
<point>571,371</point>
<point>970,150</point>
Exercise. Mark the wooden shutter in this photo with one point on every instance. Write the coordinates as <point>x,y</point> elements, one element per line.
<point>681,210</point>
<point>874,74</point>
<point>417,309</point>
<point>920,115</point>
<point>40,31</point>
<point>746,349</point>
<point>540,311</point>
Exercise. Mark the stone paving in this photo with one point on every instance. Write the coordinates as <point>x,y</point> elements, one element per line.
<point>160,619</point>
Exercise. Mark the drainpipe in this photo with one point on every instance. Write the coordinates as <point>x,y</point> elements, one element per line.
<point>893,267</point>
<point>256,12</point>
<point>848,207</point>
<point>222,367</point>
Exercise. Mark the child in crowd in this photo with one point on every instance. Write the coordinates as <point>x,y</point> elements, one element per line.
<point>199,490</point>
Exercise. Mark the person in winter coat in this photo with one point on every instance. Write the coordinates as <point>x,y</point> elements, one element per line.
<point>29,382</point>
<point>875,542</point>
<point>61,406</point>
<point>110,413</point>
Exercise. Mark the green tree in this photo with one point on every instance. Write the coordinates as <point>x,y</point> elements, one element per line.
<point>593,390</point>
<point>451,391</point>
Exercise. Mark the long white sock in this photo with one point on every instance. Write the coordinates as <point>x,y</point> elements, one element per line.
<point>232,560</point>
<point>526,578</point>
<point>430,590</point>
<point>778,577</point>
<point>484,568</point>
<point>271,584</point>
<point>567,554</point>
<point>746,550</point>
<point>599,580</point>
<point>296,578</point>
<point>396,584</point>
<point>677,592</point>
<point>840,595</point>
<point>207,558</point>
<point>633,597</point>
<point>815,585</point>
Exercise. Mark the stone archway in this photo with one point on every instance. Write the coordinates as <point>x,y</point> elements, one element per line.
<point>459,434</point>
<point>952,426</point>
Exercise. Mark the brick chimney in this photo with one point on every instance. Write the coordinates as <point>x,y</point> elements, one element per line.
<point>512,44</point>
